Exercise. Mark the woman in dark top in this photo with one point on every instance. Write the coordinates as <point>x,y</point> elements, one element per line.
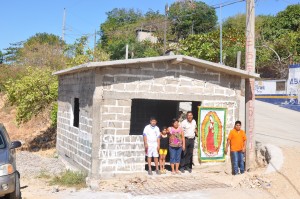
<point>163,151</point>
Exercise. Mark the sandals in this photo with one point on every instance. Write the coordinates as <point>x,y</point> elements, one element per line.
<point>178,172</point>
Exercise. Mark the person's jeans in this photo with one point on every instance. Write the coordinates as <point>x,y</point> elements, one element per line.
<point>237,161</point>
<point>187,154</point>
<point>175,153</point>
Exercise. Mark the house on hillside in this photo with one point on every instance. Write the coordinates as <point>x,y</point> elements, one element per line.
<point>104,106</point>
<point>146,35</point>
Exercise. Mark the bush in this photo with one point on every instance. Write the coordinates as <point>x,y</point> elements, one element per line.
<point>70,178</point>
<point>32,93</point>
<point>53,114</point>
<point>9,72</point>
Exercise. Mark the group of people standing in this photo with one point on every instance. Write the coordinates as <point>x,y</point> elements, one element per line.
<point>178,140</point>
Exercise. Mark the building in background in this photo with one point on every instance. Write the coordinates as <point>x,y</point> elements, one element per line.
<point>146,35</point>
<point>281,92</point>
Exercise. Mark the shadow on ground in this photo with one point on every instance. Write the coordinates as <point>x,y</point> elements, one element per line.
<point>45,140</point>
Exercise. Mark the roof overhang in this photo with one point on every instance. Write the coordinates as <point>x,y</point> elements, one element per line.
<point>173,59</point>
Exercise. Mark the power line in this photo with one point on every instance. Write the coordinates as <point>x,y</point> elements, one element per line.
<point>225,4</point>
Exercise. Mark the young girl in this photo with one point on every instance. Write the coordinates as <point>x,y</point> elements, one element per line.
<point>177,145</point>
<point>163,151</point>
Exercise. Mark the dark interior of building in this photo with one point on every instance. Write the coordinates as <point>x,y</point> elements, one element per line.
<point>163,110</point>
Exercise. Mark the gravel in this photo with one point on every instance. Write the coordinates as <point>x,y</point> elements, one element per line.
<point>32,164</point>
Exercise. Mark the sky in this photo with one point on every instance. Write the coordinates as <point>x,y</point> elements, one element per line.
<point>21,19</point>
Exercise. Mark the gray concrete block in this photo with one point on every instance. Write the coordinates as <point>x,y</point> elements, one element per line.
<point>109,131</point>
<point>127,110</point>
<point>131,86</point>
<point>123,117</point>
<point>185,82</point>
<point>109,102</point>
<point>198,83</point>
<point>170,89</point>
<point>172,81</point>
<point>161,81</point>
<point>126,125</point>
<point>185,90</point>
<point>122,131</point>
<point>119,86</point>
<point>116,109</point>
<point>109,116</point>
<point>124,103</point>
<point>113,124</point>
<point>229,92</point>
<point>157,88</point>
<point>144,87</point>
<point>219,91</point>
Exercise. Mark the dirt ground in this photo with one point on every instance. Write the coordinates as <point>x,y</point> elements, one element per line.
<point>212,181</point>
<point>35,135</point>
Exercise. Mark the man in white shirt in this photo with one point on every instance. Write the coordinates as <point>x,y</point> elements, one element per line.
<point>189,127</point>
<point>152,143</point>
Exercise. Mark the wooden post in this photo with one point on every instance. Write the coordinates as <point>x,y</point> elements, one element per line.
<point>249,84</point>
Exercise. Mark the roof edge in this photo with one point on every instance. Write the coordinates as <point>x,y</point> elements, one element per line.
<point>174,59</point>
<point>116,62</point>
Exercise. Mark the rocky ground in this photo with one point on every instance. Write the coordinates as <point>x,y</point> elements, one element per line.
<point>212,181</point>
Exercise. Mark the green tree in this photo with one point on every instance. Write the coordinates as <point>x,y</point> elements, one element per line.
<point>207,46</point>
<point>135,49</point>
<point>32,93</point>
<point>284,22</point>
<point>79,52</point>
<point>117,21</point>
<point>12,53</point>
<point>120,29</point>
<point>280,41</point>
<point>191,17</point>
<point>43,50</point>
<point>238,22</point>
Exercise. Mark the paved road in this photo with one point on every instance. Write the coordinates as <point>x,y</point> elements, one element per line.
<point>277,125</point>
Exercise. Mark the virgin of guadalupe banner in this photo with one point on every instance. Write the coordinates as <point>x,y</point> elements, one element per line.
<point>211,128</point>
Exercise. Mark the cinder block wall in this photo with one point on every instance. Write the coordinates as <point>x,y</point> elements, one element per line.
<point>119,152</point>
<point>75,144</point>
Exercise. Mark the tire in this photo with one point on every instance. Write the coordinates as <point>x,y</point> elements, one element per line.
<point>17,193</point>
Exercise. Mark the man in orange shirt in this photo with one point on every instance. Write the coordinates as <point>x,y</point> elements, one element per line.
<point>237,142</point>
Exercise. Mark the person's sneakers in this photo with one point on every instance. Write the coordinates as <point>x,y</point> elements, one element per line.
<point>150,172</point>
<point>189,170</point>
<point>182,170</point>
<point>157,172</point>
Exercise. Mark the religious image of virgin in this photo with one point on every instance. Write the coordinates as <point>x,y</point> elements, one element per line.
<point>211,134</point>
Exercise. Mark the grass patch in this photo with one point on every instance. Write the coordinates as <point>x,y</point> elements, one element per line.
<point>70,179</point>
<point>44,175</point>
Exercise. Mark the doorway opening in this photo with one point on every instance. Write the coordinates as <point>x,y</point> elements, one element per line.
<point>163,110</point>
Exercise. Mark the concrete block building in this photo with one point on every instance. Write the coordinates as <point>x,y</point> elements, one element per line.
<point>104,106</point>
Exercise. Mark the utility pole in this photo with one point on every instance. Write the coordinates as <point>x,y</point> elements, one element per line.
<point>221,34</point>
<point>165,29</point>
<point>249,84</point>
<point>64,25</point>
<point>95,37</point>
<point>126,51</point>
<point>238,60</point>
